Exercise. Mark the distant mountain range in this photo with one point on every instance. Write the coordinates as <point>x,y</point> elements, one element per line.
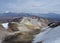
<point>52,16</point>
<point>8,16</point>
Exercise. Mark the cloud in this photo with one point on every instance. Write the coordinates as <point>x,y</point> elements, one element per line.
<point>31,6</point>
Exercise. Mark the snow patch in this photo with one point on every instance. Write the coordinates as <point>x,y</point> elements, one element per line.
<point>5,25</point>
<point>48,36</point>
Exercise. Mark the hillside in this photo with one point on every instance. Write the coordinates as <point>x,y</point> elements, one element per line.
<point>23,29</point>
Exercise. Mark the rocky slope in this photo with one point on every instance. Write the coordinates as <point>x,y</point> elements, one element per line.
<point>24,29</point>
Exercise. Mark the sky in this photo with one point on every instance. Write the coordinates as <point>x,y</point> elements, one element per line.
<point>30,6</point>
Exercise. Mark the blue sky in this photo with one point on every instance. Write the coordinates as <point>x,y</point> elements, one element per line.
<point>30,6</point>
